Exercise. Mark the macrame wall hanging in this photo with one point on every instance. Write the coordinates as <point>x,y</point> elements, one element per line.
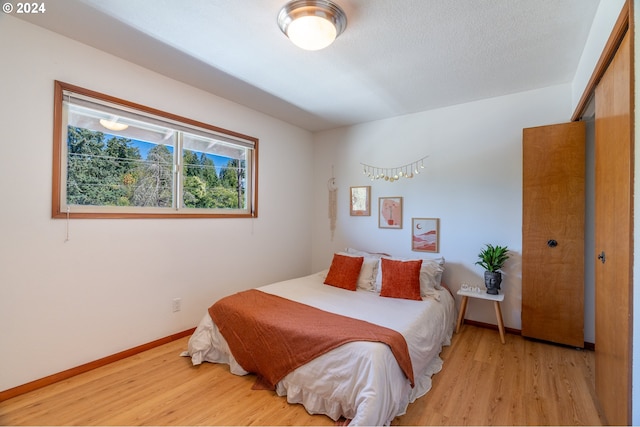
<point>333,203</point>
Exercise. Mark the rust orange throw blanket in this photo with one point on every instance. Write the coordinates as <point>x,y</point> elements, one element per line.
<point>271,336</point>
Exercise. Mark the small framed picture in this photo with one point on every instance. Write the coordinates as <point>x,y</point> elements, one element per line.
<point>390,212</point>
<point>360,201</point>
<point>425,234</point>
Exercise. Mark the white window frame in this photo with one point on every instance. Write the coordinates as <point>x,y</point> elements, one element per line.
<point>60,209</point>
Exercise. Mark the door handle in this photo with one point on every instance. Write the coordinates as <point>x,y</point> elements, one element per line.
<point>602,257</point>
<point>552,243</point>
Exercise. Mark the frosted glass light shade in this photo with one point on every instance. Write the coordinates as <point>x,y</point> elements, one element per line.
<point>312,24</point>
<point>311,32</point>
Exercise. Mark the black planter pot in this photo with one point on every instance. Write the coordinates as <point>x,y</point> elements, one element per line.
<point>492,280</point>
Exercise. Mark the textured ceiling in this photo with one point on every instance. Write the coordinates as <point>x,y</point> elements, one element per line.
<point>395,56</point>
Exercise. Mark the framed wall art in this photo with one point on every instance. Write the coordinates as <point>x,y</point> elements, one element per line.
<point>390,212</point>
<point>360,201</point>
<point>425,234</point>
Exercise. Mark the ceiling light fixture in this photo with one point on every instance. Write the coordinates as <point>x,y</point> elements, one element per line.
<point>312,24</point>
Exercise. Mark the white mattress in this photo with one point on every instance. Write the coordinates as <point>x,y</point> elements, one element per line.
<point>361,381</point>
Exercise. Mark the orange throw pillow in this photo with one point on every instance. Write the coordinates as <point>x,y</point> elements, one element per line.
<point>401,279</point>
<point>344,272</point>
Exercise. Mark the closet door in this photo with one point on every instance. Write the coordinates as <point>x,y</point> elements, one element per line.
<point>553,233</point>
<point>614,231</point>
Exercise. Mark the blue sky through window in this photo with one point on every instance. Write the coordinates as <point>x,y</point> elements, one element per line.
<point>144,147</point>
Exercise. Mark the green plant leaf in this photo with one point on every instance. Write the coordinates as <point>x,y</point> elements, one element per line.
<point>492,258</point>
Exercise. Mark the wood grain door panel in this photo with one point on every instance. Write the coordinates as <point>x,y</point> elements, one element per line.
<point>613,237</point>
<point>553,210</point>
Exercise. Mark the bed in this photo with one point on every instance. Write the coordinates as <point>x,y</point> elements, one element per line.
<point>362,381</point>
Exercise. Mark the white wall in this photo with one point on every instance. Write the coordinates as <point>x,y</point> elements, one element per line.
<point>472,181</point>
<point>111,286</point>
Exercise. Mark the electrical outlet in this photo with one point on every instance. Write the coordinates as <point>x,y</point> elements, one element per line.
<point>177,303</point>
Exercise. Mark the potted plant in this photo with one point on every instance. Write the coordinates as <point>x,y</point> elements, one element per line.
<point>492,259</point>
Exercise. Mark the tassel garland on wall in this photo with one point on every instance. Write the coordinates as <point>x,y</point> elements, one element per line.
<point>395,173</point>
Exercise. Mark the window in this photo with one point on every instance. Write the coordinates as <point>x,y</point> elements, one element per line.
<point>116,159</point>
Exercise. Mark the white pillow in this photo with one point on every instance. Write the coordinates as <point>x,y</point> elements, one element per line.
<point>431,274</point>
<point>368,271</point>
<point>357,252</point>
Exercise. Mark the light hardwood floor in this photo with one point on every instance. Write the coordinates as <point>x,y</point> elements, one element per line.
<point>482,383</point>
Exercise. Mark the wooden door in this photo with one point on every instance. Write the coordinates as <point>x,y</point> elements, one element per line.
<point>613,237</point>
<point>553,233</point>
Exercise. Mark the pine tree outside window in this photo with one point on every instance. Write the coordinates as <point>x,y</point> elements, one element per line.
<point>116,159</point>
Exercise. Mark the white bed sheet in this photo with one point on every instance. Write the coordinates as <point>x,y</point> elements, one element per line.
<point>361,381</point>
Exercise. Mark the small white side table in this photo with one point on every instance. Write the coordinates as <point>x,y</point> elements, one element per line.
<point>485,296</point>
